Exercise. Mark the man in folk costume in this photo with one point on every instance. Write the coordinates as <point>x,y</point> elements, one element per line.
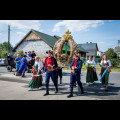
<point>75,66</point>
<point>104,64</point>
<point>50,66</point>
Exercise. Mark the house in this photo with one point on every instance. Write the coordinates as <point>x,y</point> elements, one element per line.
<point>117,50</point>
<point>91,49</point>
<point>99,53</point>
<point>40,43</point>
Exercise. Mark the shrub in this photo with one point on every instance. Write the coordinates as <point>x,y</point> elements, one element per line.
<point>97,56</point>
<point>114,62</point>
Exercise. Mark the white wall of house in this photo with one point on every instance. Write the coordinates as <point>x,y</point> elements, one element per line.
<point>39,46</point>
<point>99,53</point>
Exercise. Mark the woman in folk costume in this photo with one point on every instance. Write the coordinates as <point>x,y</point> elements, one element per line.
<point>104,64</point>
<point>36,81</point>
<point>23,67</point>
<point>91,72</point>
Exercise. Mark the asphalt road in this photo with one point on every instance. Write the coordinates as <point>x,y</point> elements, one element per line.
<point>17,89</point>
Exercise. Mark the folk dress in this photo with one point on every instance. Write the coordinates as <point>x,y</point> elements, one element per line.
<point>23,66</point>
<point>106,76</point>
<point>36,81</point>
<point>91,73</point>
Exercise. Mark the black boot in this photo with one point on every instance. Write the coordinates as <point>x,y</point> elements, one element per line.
<point>82,91</point>
<point>60,80</point>
<point>71,93</point>
<point>47,91</point>
<point>56,89</point>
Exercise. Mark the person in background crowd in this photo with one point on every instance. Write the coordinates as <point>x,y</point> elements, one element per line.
<point>17,61</point>
<point>75,74</point>
<point>91,72</point>
<point>23,67</point>
<point>33,55</point>
<point>29,56</point>
<point>36,81</point>
<point>58,71</point>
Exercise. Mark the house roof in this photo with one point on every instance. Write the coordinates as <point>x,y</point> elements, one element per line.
<point>89,46</point>
<point>50,40</point>
<point>82,49</point>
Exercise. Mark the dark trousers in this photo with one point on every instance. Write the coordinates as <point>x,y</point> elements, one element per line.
<point>59,73</point>
<point>73,78</point>
<point>51,74</point>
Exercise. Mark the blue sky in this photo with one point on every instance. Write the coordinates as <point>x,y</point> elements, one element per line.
<point>105,33</point>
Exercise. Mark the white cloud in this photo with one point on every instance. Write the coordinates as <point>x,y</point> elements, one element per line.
<point>23,24</point>
<point>21,33</point>
<point>77,25</point>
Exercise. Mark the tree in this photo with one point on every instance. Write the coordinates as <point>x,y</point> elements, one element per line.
<point>20,53</point>
<point>4,49</point>
<point>111,54</point>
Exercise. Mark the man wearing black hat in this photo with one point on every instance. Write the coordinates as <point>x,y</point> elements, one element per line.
<point>75,66</point>
<point>50,66</point>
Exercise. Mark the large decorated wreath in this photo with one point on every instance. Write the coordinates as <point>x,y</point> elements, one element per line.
<point>64,59</point>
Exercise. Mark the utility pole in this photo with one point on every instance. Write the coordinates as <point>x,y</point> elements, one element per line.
<point>8,38</point>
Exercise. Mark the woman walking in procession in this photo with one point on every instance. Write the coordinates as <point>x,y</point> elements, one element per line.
<point>23,67</point>
<point>104,64</point>
<point>17,61</point>
<point>91,72</point>
<point>36,81</point>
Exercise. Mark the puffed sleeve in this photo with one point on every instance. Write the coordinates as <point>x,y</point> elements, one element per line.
<point>109,63</point>
<point>40,65</point>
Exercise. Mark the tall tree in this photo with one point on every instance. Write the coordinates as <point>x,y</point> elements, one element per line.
<point>111,54</point>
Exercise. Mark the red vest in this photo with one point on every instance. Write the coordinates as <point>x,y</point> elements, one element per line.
<point>74,64</point>
<point>50,61</point>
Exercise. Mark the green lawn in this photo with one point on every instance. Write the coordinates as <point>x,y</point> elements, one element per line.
<point>98,68</point>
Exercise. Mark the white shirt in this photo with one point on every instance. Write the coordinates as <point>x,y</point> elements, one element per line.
<point>40,65</point>
<point>28,57</point>
<point>106,62</point>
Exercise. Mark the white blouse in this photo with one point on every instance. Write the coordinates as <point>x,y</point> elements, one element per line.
<point>40,65</point>
<point>92,62</point>
<point>106,62</point>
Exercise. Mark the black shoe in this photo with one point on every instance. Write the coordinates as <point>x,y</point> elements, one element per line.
<point>46,94</point>
<point>106,90</point>
<point>71,95</point>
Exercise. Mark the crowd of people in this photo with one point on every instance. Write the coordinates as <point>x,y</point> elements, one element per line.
<point>51,69</point>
